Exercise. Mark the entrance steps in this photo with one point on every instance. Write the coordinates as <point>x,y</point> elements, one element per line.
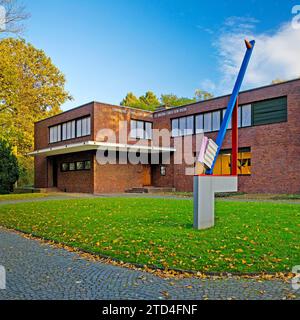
<point>150,190</point>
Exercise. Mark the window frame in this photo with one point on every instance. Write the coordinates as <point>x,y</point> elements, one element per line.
<point>145,133</point>
<point>68,163</point>
<point>68,130</point>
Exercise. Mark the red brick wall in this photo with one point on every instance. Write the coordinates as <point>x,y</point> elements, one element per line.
<point>117,178</point>
<point>275,148</point>
<point>110,117</point>
<point>75,181</point>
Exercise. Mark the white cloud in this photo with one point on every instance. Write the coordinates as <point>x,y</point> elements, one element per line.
<point>275,55</point>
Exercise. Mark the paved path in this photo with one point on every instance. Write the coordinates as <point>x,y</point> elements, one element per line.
<point>40,271</point>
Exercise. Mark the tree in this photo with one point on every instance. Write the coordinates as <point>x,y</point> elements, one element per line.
<point>12,16</point>
<point>201,95</point>
<point>9,169</point>
<point>171,100</point>
<point>149,101</point>
<point>31,88</point>
<point>130,100</point>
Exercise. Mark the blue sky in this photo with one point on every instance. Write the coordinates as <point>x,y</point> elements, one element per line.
<point>108,48</point>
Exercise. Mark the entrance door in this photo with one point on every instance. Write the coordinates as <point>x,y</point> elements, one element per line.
<point>147,181</point>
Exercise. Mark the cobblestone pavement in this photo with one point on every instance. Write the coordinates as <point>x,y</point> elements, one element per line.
<point>35,270</point>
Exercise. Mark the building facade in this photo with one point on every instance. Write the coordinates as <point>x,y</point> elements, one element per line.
<point>69,147</point>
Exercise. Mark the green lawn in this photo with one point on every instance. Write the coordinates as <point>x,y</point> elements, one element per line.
<point>248,237</point>
<point>22,196</point>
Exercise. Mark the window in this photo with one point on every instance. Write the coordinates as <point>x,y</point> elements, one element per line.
<point>65,167</point>
<point>175,128</point>
<point>73,129</point>
<point>246,115</point>
<point>163,171</point>
<point>87,165</point>
<point>189,125</point>
<point>216,120</point>
<point>182,126</point>
<point>83,127</point>
<point>141,130</point>
<point>223,116</point>
<point>55,134</point>
<point>76,166</point>
<point>148,131</point>
<point>207,122</point>
<point>133,129</point>
<point>80,165</point>
<point>199,124</point>
<point>64,131</point>
<point>223,163</point>
<point>70,130</point>
<point>78,128</point>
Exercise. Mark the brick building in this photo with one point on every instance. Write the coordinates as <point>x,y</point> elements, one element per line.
<point>68,146</point>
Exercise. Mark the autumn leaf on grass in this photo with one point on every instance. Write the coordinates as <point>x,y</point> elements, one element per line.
<point>239,250</point>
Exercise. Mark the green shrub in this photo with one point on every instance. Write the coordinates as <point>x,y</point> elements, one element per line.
<point>9,168</point>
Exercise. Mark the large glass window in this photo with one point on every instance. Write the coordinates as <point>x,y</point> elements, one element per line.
<point>148,131</point>
<point>133,129</point>
<point>199,123</point>
<point>207,122</point>
<point>70,130</point>
<point>189,125</point>
<point>246,115</point>
<point>83,127</point>
<point>223,116</point>
<point>64,131</point>
<point>78,128</point>
<point>216,120</point>
<point>55,134</point>
<point>175,128</point>
<point>182,126</point>
<point>140,130</point>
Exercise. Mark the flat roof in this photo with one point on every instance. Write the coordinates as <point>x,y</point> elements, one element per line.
<point>228,95</point>
<point>184,105</point>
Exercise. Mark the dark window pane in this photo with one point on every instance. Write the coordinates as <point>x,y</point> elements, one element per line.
<point>80,165</point>
<point>65,167</point>
<point>87,165</point>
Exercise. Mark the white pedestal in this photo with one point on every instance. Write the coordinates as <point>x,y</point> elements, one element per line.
<point>205,188</point>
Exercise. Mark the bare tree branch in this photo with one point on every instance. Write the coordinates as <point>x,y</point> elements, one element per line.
<point>14,16</point>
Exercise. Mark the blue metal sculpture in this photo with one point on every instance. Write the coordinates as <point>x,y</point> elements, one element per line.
<point>221,136</point>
